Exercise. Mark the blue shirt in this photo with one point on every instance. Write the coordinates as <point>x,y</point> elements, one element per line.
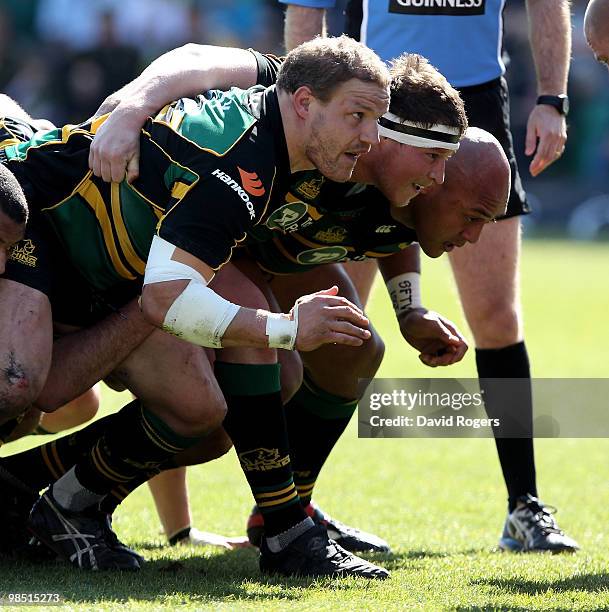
<point>462,38</point>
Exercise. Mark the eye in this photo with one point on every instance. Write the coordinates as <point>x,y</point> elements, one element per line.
<point>358,116</point>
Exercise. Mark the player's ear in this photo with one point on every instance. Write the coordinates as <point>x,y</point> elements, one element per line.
<point>301,100</point>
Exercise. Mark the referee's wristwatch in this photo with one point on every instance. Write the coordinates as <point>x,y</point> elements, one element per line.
<point>560,103</point>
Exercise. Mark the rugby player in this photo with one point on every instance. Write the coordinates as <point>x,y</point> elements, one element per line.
<point>322,114</point>
<point>489,294</point>
<point>310,220</point>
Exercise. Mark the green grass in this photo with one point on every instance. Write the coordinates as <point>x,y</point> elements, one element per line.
<point>440,503</point>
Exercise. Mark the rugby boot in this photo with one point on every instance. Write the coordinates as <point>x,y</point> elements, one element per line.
<point>313,554</point>
<point>350,538</point>
<point>113,541</point>
<point>78,537</point>
<point>531,527</point>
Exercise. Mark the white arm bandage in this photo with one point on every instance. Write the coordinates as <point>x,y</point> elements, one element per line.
<point>198,314</point>
<point>405,291</point>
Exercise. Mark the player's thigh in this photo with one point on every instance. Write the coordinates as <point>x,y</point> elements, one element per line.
<point>362,273</point>
<point>348,363</point>
<point>174,379</point>
<point>26,341</point>
<point>487,276</point>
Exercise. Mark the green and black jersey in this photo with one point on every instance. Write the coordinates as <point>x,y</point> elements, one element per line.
<point>324,222</point>
<point>211,168</point>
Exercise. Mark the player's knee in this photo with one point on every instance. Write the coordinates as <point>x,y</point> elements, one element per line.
<point>368,357</point>
<point>203,411</point>
<point>497,325</point>
<point>18,389</point>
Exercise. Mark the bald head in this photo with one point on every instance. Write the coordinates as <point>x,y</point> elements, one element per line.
<point>479,167</point>
<point>596,29</point>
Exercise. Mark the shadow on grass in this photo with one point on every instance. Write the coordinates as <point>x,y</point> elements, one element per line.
<point>398,560</point>
<point>231,575</point>
<point>509,608</point>
<point>590,583</point>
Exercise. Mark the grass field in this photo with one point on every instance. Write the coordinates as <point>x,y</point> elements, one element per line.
<point>440,503</point>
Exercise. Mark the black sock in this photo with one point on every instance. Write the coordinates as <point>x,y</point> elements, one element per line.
<point>256,424</point>
<point>316,420</point>
<point>137,443</point>
<point>515,454</point>
<point>118,494</point>
<point>38,467</point>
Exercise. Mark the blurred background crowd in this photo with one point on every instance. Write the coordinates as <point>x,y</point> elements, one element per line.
<point>60,58</point>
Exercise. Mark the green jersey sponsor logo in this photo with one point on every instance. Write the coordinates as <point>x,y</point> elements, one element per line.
<point>322,255</point>
<point>286,217</point>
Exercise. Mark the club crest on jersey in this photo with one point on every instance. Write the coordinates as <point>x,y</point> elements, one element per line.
<point>438,7</point>
<point>322,255</point>
<point>310,189</point>
<point>331,235</point>
<point>22,252</point>
<point>286,217</point>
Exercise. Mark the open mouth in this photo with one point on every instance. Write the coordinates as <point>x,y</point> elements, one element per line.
<point>448,247</point>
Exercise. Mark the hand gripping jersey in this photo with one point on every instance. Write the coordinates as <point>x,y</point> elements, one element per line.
<point>210,170</point>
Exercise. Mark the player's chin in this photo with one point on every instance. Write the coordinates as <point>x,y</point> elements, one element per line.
<point>342,169</point>
<point>433,250</point>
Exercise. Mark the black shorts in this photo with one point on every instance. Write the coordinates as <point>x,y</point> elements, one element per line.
<point>488,107</point>
<point>40,262</point>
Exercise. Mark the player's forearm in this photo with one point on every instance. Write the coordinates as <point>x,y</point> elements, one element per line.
<point>84,357</point>
<point>550,36</point>
<point>193,312</point>
<point>185,71</point>
<point>302,24</point>
<point>407,260</point>
<point>402,273</point>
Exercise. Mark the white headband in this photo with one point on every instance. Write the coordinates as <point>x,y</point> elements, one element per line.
<point>414,134</point>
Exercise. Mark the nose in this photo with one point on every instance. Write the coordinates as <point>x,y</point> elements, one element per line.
<point>370,132</point>
<point>472,232</point>
<point>437,170</point>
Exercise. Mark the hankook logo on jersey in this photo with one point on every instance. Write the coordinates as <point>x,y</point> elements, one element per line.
<point>262,460</point>
<point>22,252</point>
<point>322,255</point>
<point>438,7</point>
<point>286,216</point>
<point>251,183</point>
<point>232,183</point>
<point>310,189</point>
<point>331,235</point>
